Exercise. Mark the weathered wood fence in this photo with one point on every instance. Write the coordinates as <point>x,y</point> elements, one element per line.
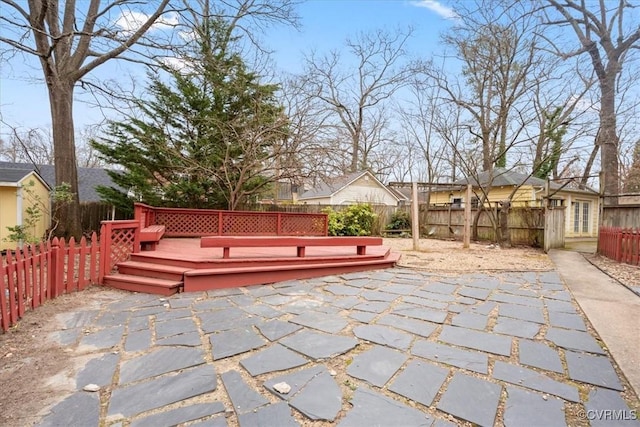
<point>620,244</point>
<point>37,273</point>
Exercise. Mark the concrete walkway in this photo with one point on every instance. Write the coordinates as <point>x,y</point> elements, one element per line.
<point>395,347</point>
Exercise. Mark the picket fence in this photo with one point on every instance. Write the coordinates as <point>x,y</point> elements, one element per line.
<point>620,244</point>
<point>37,273</point>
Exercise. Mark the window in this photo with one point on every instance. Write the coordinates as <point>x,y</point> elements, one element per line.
<point>456,202</point>
<point>475,202</point>
<point>585,217</point>
<point>576,217</point>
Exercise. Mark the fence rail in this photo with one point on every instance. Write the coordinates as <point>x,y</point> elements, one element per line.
<point>37,273</point>
<point>620,244</point>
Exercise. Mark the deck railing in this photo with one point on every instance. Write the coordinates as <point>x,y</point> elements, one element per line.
<point>180,222</point>
<point>37,273</point>
<point>620,244</point>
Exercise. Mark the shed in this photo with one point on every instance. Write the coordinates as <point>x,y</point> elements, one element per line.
<point>354,188</point>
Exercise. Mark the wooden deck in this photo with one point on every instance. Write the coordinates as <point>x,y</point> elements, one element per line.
<point>181,265</point>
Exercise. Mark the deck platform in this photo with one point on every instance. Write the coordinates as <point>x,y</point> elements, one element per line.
<point>181,265</point>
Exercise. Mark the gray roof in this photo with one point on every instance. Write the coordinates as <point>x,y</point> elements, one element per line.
<point>500,177</point>
<point>332,186</point>
<point>88,178</point>
<point>13,175</point>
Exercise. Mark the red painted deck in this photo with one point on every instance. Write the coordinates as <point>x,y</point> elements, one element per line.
<point>181,265</point>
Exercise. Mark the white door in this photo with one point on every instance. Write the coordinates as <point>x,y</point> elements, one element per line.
<point>581,217</point>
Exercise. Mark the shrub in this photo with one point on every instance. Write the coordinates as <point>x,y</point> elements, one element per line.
<point>355,220</point>
<point>400,220</point>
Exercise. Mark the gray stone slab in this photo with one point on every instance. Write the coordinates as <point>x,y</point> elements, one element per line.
<point>423,302</point>
<point>557,295</point>
<point>243,397</point>
<point>277,300</point>
<point>562,306</point>
<point>418,327</point>
<point>399,289</point>
<point>262,310</point>
<point>471,360</point>
<point>485,283</point>
<point>444,423</point>
<point>378,296</point>
<point>574,340</point>
<point>524,408</point>
<point>372,307</point>
<point>539,355</point>
<point>470,320</point>
<point>277,414</point>
<point>484,307</point>
<point>376,366</point>
<point>78,319</point>
<point>472,399</point>
<point>261,290</point>
<point>143,396</point>
<point>276,329</point>
<point>346,302</point>
<point>110,318</point>
<point>235,341</point>
<point>102,339</point>
<point>362,316</point>
<point>566,320</point>
<point>534,380</point>
<point>297,381</point>
<point>422,313</point>
<point>245,321</point>
<point>180,415</point>
<point>138,340</point>
<point>79,409</point>
<point>374,409</point>
<point>530,314</point>
<point>420,381</point>
<point>175,327</point>
<point>440,288</point>
<point>66,337</point>
<point>242,300</point>
<point>434,296</point>
<point>212,304</point>
<point>190,339</point>
<point>516,299</point>
<point>516,327</point>
<point>138,323</point>
<point>596,370</point>
<point>320,399</point>
<point>318,345</point>
<point>343,290</point>
<point>98,371</point>
<point>384,335</point>
<point>476,293</point>
<point>477,340</point>
<point>183,300</point>
<point>224,292</point>
<point>607,408</point>
<point>321,321</point>
<point>160,362</point>
<point>273,358</point>
<point>173,314</point>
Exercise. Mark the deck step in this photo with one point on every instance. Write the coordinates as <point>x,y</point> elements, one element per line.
<point>216,278</point>
<point>150,285</point>
<point>155,270</point>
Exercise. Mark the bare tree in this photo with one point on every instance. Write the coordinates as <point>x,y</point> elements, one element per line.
<point>69,43</point>
<point>356,95</point>
<point>608,36</point>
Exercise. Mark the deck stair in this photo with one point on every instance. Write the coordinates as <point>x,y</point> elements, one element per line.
<point>181,265</point>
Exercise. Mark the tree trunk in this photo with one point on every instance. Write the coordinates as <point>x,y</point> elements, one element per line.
<point>607,139</point>
<point>61,101</point>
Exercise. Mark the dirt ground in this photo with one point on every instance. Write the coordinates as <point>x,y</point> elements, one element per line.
<point>28,362</point>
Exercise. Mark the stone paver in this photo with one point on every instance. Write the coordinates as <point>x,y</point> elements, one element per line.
<point>392,347</point>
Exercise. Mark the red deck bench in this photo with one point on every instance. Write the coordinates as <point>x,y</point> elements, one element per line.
<point>300,243</point>
<point>151,235</point>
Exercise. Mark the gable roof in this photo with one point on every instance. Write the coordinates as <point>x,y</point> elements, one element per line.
<point>13,176</point>
<point>502,177</point>
<point>88,178</point>
<point>334,185</point>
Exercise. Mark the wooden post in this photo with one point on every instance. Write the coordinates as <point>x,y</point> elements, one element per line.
<point>415,225</point>
<point>467,218</point>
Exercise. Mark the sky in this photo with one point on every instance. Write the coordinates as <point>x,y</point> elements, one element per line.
<point>325,24</point>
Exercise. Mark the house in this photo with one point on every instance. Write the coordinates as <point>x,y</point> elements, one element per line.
<point>357,187</point>
<point>88,178</point>
<point>581,216</point>
<point>21,190</point>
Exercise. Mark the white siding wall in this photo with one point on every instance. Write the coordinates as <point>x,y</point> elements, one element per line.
<point>364,191</point>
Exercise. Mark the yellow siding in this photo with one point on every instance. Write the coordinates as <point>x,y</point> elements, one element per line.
<point>496,194</point>
<point>8,201</point>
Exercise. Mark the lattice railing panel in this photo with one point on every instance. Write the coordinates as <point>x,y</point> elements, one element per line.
<point>306,225</point>
<point>247,223</point>
<point>122,244</point>
<point>188,223</point>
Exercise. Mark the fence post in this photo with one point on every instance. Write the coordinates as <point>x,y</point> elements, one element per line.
<point>93,265</point>
<point>105,250</point>
<point>56,268</point>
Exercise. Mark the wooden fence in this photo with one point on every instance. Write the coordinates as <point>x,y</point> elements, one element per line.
<point>37,273</point>
<point>620,244</point>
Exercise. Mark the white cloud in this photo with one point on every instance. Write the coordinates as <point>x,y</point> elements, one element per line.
<point>183,66</point>
<point>130,21</point>
<point>437,7</point>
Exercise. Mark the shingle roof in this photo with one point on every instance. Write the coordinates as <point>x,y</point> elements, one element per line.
<point>502,177</point>
<point>88,178</point>
<point>331,187</point>
<point>13,175</point>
